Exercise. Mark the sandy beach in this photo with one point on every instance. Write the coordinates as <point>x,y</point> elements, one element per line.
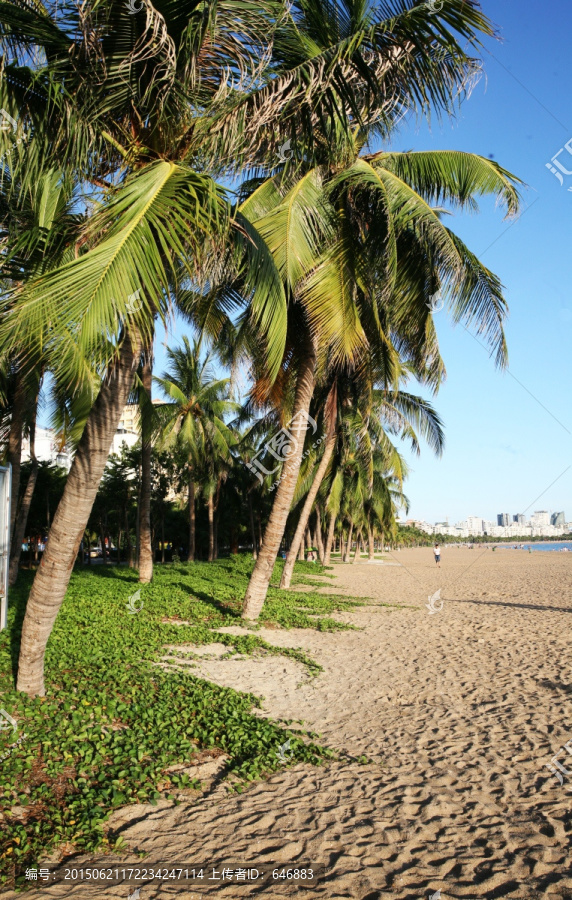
<point>445,724</point>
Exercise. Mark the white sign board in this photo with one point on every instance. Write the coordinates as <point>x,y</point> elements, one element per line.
<point>5,483</point>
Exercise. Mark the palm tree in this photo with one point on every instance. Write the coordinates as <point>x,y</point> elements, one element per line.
<point>38,228</point>
<point>145,108</point>
<point>339,72</point>
<point>360,255</point>
<point>194,421</point>
<point>361,402</point>
<point>360,249</point>
<point>126,120</point>
<point>146,554</point>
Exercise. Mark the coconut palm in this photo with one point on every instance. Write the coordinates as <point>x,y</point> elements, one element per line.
<point>124,118</point>
<point>143,107</point>
<point>361,401</point>
<point>360,255</point>
<point>38,228</point>
<point>194,420</point>
<point>360,246</point>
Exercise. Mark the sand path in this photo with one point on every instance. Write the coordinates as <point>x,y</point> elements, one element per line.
<point>458,713</point>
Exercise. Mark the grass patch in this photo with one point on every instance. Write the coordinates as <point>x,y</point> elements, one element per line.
<point>112,721</point>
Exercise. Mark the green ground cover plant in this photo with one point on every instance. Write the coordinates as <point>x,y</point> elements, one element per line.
<point>112,721</point>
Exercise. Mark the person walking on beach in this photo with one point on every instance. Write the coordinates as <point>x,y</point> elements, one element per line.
<point>437,552</point>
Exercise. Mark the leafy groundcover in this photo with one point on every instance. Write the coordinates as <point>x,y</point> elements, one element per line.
<point>112,721</point>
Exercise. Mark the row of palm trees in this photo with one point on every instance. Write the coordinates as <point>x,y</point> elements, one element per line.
<point>200,448</point>
<point>314,270</point>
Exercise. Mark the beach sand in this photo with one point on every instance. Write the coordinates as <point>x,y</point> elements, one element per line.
<point>458,713</point>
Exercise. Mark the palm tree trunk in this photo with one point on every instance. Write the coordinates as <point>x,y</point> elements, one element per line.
<point>137,519</point>
<point>301,555</point>
<point>14,456</point>
<point>307,509</point>
<point>357,555</point>
<point>252,531</point>
<point>370,541</point>
<point>22,520</point>
<point>348,549</point>
<point>192,517</point>
<point>330,539</point>
<point>52,578</point>
<point>130,560</point>
<point>319,540</point>
<point>145,542</point>
<point>210,511</point>
<point>216,518</point>
<point>262,572</point>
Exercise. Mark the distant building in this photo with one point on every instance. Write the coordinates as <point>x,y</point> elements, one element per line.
<point>128,430</point>
<point>130,419</point>
<point>558,519</point>
<point>48,449</point>
<point>519,519</point>
<point>503,520</point>
<point>475,525</point>
<point>540,518</point>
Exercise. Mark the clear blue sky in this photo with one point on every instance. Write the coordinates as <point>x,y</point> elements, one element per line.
<point>504,447</point>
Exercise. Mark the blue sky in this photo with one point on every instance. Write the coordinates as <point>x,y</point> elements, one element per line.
<point>509,434</point>
<point>507,442</point>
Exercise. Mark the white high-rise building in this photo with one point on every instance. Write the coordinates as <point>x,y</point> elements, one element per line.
<point>475,525</point>
<point>540,518</point>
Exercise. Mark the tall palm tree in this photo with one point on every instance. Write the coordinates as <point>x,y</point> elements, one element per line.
<point>38,230</point>
<point>194,420</point>
<point>355,238</point>
<point>338,73</point>
<point>125,120</point>
<point>360,400</point>
<point>145,108</point>
<point>360,254</point>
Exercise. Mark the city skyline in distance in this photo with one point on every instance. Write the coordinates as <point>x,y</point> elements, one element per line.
<point>540,523</point>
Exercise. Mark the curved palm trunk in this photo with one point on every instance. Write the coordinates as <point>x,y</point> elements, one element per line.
<point>70,520</point>
<point>301,555</point>
<point>24,508</point>
<point>15,445</point>
<point>192,515</point>
<point>330,539</point>
<point>262,572</point>
<point>145,537</point>
<point>357,554</point>
<point>307,509</point>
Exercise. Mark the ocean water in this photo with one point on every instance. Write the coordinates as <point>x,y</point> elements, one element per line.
<point>540,545</point>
